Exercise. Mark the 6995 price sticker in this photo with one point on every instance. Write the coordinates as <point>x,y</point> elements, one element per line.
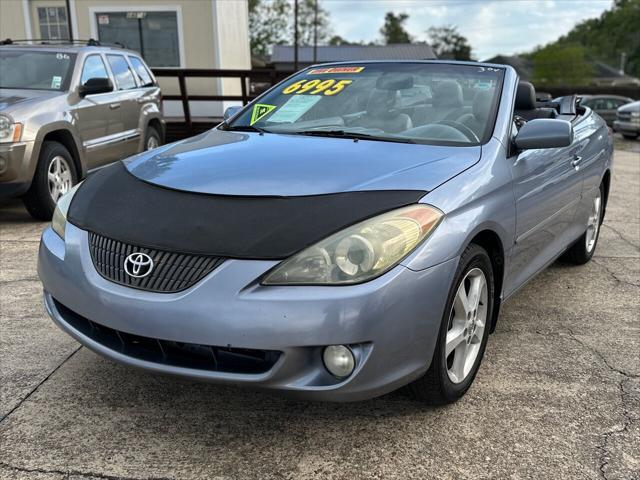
<point>317,87</point>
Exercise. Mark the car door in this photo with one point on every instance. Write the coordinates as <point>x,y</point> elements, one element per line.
<point>147,94</point>
<point>128,130</point>
<point>547,186</point>
<point>93,114</point>
<point>608,109</point>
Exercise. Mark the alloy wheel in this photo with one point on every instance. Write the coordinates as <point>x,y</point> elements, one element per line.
<point>593,224</point>
<point>59,177</point>
<point>467,321</point>
<point>152,142</point>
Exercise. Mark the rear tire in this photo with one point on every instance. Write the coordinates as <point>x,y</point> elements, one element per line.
<point>152,139</point>
<point>55,175</point>
<point>450,375</point>
<point>583,249</point>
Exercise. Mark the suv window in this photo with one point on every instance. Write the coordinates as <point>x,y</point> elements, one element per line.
<point>121,72</point>
<point>35,70</point>
<point>94,67</point>
<point>141,71</point>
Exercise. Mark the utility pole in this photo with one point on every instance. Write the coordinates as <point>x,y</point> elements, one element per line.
<point>315,33</point>
<point>295,35</point>
<point>68,5</point>
<point>623,61</point>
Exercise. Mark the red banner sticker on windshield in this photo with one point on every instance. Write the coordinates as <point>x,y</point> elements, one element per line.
<point>319,71</point>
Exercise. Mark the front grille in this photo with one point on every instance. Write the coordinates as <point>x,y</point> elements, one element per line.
<point>624,116</point>
<point>178,354</point>
<point>172,272</point>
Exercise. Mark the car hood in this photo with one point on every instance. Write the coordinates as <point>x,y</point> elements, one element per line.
<point>12,99</point>
<point>630,107</point>
<point>250,164</point>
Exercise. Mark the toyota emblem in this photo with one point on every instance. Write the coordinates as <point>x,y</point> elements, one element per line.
<point>138,265</point>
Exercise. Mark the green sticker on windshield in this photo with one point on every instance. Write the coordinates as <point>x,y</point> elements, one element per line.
<point>260,110</point>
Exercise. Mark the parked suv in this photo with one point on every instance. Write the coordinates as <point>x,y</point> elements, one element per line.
<point>628,120</point>
<point>68,109</point>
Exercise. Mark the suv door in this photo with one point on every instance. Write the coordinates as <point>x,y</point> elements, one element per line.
<point>547,185</point>
<point>129,130</point>
<point>148,98</point>
<point>93,113</point>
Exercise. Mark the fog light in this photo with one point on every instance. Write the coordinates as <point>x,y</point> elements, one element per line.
<point>339,360</point>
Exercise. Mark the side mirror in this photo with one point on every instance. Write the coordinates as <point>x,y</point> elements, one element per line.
<point>231,111</point>
<point>544,133</point>
<point>95,85</point>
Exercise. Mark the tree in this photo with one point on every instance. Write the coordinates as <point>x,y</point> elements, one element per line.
<point>393,30</point>
<point>268,25</point>
<point>271,23</point>
<point>564,65</point>
<point>447,43</point>
<point>607,37</point>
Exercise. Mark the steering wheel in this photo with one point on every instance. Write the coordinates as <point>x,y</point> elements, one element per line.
<point>462,128</point>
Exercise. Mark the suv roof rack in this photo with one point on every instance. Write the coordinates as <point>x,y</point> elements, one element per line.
<point>44,41</point>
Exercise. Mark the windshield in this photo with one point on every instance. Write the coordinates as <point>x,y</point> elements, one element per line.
<point>441,104</point>
<point>27,69</point>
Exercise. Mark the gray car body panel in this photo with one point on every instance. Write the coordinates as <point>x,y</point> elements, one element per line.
<point>87,120</point>
<point>536,202</point>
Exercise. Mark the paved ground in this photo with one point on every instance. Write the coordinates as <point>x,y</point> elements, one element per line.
<point>558,395</point>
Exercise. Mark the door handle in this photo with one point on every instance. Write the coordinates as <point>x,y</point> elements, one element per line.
<point>113,106</point>
<point>576,161</point>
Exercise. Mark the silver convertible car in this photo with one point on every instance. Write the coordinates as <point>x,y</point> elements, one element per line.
<point>332,240</point>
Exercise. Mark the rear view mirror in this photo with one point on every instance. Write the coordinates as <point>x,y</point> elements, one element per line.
<point>94,86</point>
<point>231,111</point>
<point>394,82</point>
<point>544,133</point>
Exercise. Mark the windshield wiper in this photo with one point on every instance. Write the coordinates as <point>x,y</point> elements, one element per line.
<point>351,135</point>
<point>243,128</point>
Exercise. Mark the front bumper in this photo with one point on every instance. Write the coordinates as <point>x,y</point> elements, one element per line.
<point>15,168</point>
<point>391,322</point>
<point>627,127</point>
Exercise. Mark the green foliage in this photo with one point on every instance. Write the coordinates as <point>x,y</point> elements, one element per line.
<point>393,30</point>
<point>561,65</point>
<point>447,43</point>
<point>271,23</point>
<point>615,32</point>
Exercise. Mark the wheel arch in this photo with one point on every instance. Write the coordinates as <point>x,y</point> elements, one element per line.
<point>65,138</point>
<point>491,242</point>
<point>606,183</point>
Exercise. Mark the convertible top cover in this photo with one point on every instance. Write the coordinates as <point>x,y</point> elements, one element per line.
<point>116,204</point>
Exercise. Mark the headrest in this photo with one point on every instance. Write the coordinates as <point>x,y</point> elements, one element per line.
<point>394,82</point>
<point>525,96</point>
<point>382,102</point>
<point>482,104</point>
<point>447,94</point>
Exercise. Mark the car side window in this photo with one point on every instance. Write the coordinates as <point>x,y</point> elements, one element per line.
<point>121,72</point>
<point>93,67</point>
<point>141,71</point>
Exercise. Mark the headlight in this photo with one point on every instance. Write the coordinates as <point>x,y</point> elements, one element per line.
<point>59,221</point>
<point>361,252</point>
<point>9,132</point>
<point>635,114</point>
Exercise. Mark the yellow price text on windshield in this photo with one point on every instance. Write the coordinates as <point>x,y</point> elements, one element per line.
<point>328,87</point>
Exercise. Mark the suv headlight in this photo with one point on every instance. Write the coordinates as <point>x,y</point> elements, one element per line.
<point>10,132</point>
<point>59,220</point>
<point>360,252</point>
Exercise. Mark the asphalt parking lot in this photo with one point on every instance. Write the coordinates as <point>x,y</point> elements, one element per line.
<point>558,395</point>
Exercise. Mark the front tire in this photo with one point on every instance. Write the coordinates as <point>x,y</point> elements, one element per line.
<point>55,175</point>
<point>152,139</point>
<point>464,331</point>
<point>582,251</point>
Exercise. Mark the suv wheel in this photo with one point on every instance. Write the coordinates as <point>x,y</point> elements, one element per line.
<point>463,333</point>
<point>55,175</point>
<point>152,140</point>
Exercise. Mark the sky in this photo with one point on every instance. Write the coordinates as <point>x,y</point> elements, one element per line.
<point>491,26</point>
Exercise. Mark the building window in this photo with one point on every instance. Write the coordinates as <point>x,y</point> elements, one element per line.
<point>53,23</point>
<point>153,34</point>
